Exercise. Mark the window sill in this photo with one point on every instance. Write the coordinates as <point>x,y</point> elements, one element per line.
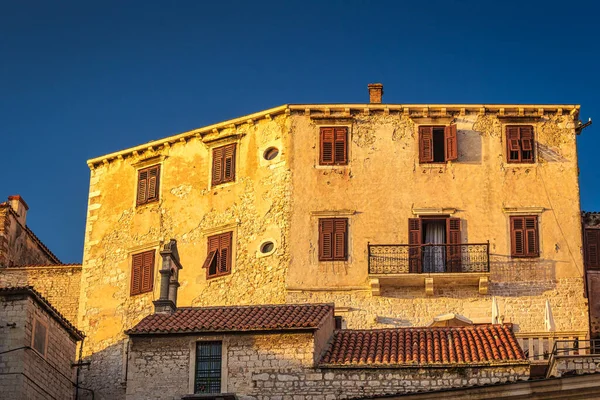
<point>216,276</point>
<point>147,204</point>
<point>335,166</point>
<point>222,185</point>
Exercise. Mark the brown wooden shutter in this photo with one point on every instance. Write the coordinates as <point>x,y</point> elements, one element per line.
<point>212,259</point>
<point>454,253</point>
<point>217,165</point>
<point>327,145</point>
<point>425,144</point>
<point>526,135</point>
<point>142,187</point>
<point>137,263</point>
<point>513,143</point>
<point>340,238</point>
<point>451,141</point>
<point>341,146</point>
<point>592,248</point>
<point>531,236</point>
<point>153,183</point>
<point>326,239</point>
<point>414,239</point>
<point>229,163</point>
<point>225,253</point>
<point>147,271</point>
<point>517,234</point>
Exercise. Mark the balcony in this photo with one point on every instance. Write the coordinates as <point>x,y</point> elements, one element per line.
<point>422,265</point>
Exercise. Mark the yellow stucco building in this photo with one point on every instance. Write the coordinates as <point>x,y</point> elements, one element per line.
<point>400,214</point>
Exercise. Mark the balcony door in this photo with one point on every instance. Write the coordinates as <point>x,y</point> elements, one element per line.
<point>436,244</point>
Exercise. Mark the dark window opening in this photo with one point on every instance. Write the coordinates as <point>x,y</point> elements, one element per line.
<point>208,367</point>
<point>40,337</point>
<point>438,145</point>
<point>218,259</point>
<point>338,322</point>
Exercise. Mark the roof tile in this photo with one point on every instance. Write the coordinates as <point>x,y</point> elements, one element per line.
<point>479,344</point>
<point>235,318</point>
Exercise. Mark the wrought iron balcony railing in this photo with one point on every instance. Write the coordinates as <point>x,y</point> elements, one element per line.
<point>428,258</point>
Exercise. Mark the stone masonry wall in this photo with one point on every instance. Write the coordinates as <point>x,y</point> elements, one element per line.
<point>36,376</point>
<point>58,284</point>
<point>255,207</point>
<point>280,366</point>
<point>18,244</point>
<point>574,364</point>
<point>11,337</point>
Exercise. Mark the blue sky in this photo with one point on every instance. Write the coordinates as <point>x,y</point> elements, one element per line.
<point>81,79</point>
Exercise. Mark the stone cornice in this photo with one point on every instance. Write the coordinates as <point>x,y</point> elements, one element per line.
<point>318,111</point>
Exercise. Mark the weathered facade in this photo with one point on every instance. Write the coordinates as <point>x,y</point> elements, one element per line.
<point>18,244</point>
<point>37,347</point>
<point>267,191</point>
<point>591,251</point>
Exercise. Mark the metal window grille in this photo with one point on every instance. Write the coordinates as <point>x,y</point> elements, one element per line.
<point>208,367</point>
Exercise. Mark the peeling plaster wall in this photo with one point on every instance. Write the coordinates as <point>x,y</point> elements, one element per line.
<point>384,181</point>
<point>255,207</point>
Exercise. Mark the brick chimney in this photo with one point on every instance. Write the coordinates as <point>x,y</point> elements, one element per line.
<point>169,279</point>
<point>375,93</point>
<point>19,206</point>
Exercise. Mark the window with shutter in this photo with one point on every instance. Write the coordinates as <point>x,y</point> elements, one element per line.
<point>438,144</point>
<point>142,272</point>
<point>519,144</point>
<point>591,248</point>
<point>333,239</point>
<point>524,236</point>
<point>223,164</point>
<point>148,185</point>
<point>454,250</point>
<point>218,259</point>
<point>333,149</point>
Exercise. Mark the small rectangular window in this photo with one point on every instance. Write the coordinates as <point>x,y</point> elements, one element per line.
<point>591,248</point>
<point>218,259</point>
<point>40,337</point>
<point>519,144</point>
<point>208,367</point>
<point>438,144</point>
<point>223,164</point>
<point>142,272</point>
<point>333,239</point>
<point>524,236</point>
<point>333,146</point>
<point>148,184</point>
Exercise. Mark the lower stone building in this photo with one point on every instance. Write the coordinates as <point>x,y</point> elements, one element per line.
<point>294,352</point>
<point>37,347</point>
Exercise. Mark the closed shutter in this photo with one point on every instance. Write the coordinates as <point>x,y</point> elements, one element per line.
<point>513,142</point>
<point>142,187</point>
<point>137,264</point>
<point>326,239</point>
<point>217,165</point>
<point>225,253</point>
<point>451,141</point>
<point>341,146</point>
<point>327,145</point>
<point>414,239</point>
<point>147,271</point>
<point>526,135</point>
<point>454,253</point>
<point>524,236</point>
<point>531,236</point>
<point>229,163</point>
<point>592,248</point>
<point>340,238</point>
<point>425,144</point>
<point>153,183</point>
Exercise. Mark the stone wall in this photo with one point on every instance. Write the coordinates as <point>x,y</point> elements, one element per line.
<point>35,377</point>
<point>18,244</point>
<point>280,366</point>
<point>59,284</point>
<point>574,364</point>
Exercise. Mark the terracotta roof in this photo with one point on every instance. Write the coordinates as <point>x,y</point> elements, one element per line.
<point>41,300</point>
<point>405,347</point>
<point>235,319</point>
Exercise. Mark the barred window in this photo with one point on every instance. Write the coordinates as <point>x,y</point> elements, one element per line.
<point>208,367</point>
